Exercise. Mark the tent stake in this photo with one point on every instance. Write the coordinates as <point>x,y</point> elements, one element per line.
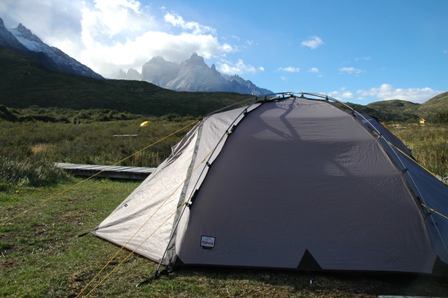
<point>155,276</point>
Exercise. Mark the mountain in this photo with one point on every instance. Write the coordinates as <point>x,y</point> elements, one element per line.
<point>192,75</point>
<point>395,110</point>
<point>25,82</point>
<point>23,41</point>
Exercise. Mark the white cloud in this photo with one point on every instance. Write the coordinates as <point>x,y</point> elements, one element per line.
<point>316,71</point>
<point>107,35</point>
<point>106,51</point>
<point>108,17</point>
<point>387,91</point>
<point>44,18</point>
<point>237,68</point>
<point>363,58</point>
<point>289,69</point>
<point>313,42</point>
<point>351,70</point>
<point>342,94</point>
<point>194,27</point>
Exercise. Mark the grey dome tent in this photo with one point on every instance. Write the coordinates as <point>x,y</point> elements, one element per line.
<point>290,181</point>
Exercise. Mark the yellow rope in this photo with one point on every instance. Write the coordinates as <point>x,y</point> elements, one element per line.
<point>139,229</point>
<point>411,159</point>
<point>94,175</point>
<point>435,211</point>
<point>127,257</point>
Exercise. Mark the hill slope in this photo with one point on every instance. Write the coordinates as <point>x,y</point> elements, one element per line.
<point>25,82</point>
<point>400,110</point>
<point>23,41</point>
<point>437,104</point>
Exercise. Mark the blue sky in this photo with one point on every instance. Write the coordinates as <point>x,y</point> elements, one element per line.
<point>357,51</point>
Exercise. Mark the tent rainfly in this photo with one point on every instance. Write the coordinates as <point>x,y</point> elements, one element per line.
<point>291,181</point>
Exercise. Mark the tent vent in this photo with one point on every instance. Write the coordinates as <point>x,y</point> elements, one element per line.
<point>308,263</point>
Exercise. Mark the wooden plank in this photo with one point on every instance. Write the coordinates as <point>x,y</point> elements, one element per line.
<point>114,172</point>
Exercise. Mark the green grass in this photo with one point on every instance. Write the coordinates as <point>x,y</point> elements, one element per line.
<point>429,145</point>
<point>42,256</point>
<point>28,150</point>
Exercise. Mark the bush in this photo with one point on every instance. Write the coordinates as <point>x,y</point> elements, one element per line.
<point>29,172</point>
<point>441,117</point>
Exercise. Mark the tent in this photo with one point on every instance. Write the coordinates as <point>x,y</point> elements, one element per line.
<point>291,181</point>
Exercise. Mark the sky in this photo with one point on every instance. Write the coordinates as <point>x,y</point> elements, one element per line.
<point>353,50</point>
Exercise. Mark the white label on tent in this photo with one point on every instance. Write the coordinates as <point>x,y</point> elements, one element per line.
<point>207,241</point>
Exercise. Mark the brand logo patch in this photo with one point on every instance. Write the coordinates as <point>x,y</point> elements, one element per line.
<point>208,242</point>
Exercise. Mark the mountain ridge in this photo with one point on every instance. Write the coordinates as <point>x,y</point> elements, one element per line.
<point>191,75</point>
<point>23,41</point>
<point>25,82</point>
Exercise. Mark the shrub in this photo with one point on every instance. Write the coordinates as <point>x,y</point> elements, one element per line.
<point>29,171</point>
<point>441,117</point>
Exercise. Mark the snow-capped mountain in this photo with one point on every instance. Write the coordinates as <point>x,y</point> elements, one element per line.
<point>191,75</point>
<point>22,40</point>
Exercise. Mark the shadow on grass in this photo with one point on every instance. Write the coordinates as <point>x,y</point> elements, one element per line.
<point>327,284</point>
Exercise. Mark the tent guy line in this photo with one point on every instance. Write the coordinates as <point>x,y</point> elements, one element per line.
<point>141,227</point>
<point>122,261</point>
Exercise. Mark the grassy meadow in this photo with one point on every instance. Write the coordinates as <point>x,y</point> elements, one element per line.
<point>28,150</point>
<point>43,211</point>
<point>429,145</point>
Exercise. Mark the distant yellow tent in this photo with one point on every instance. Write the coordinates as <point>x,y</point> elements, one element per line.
<point>146,123</point>
<point>422,121</point>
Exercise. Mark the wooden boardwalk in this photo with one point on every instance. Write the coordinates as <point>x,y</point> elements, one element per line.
<point>113,172</point>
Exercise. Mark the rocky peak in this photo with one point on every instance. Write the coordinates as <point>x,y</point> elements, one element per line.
<point>194,75</point>
<point>157,60</point>
<point>133,74</point>
<point>8,40</point>
<point>27,34</point>
<point>23,41</point>
<point>196,60</point>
